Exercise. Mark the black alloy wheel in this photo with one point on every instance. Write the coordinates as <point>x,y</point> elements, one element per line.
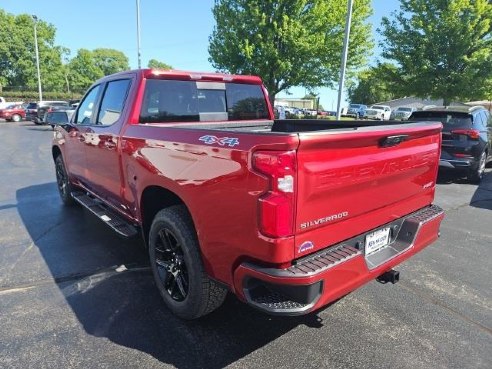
<point>177,265</point>
<point>171,266</point>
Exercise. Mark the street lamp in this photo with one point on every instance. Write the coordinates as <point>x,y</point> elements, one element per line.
<point>138,34</point>
<point>344,57</point>
<point>35,18</point>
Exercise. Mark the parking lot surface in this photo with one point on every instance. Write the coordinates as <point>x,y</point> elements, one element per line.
<point>74,295</point>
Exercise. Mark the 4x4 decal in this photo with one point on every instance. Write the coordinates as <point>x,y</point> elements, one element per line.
<point>222,141</point>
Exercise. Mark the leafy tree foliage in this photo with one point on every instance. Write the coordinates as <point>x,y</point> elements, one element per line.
<point>88,66</point>
<point>443,48</point>
<point>376,84</point>
<point>287,42</point>
<point>17,55</point>
<point>58,72</point>
<point>110,61</point>
<point>156,64</point>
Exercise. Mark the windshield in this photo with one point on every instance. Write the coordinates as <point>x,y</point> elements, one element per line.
<point>450,120</point>
<point>190,101</point>
<point>354,106</point>
<point>405,109</point>
<point>377,107</point>
<point>32,106</point>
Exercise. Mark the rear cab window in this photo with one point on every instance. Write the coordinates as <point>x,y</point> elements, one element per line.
<point>201,101</point>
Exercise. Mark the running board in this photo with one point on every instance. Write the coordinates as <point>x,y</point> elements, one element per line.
<point>108,216</point>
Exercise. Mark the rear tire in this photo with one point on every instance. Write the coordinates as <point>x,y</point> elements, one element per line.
<point>476,175</point>
<point>178,268</point>
<point>16,118</point>
<point>63,183</point>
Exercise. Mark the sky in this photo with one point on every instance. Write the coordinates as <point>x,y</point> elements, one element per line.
<point>175,32</point>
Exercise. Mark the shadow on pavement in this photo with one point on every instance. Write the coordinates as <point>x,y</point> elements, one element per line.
<point>83,255</point>
<point>482,198</point>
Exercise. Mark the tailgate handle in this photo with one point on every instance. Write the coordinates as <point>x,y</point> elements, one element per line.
<point>392,140</point>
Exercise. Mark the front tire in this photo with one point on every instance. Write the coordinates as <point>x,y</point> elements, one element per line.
<point>177,266</point>
<point>16,118</point>
<point>63,183</point>
<point>476,175</point>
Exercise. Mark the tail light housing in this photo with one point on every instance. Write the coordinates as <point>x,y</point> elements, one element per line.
<point>277,205</point>
<point>474,134</point>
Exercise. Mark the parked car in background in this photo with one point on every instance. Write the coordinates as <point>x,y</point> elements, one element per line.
<point>376,114</point>
<point>58,117</point>
<point>466,137</point>
<point>14,112</point>
<point>402,113</point>
<point>31,111</point>
<point>4,103</point>
<point>311,112</point>
<point>384,109</point>
<point>46,107</point>
<point>356,110</point>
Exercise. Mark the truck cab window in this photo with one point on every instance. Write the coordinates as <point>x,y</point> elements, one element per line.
<point>86,107</point>
<point>113,102</point>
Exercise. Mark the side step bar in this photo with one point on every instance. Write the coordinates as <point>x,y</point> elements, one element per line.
<point>108,216</point>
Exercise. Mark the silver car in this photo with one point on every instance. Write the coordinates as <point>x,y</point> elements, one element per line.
<point>402,113</point>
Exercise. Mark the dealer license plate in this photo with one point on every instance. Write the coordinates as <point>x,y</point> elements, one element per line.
<point>377,240</point>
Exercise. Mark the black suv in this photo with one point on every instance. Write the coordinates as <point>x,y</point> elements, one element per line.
<point>36,111</point>
<point>466,137</point>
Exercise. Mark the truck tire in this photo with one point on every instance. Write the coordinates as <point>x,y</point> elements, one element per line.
<point>63,184</point>
<point>177,266</point>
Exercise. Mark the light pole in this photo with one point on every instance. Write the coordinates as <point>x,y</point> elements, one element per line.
<point>37,57</point>
<point>344,57</point>
<point>138,34</point>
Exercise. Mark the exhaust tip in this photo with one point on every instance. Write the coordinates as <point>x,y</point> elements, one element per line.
<point>392,276</point>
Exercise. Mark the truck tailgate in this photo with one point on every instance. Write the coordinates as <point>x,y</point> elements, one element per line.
<point>351,181</point>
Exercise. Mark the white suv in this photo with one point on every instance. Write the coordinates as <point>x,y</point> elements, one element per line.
<point>385,111</point>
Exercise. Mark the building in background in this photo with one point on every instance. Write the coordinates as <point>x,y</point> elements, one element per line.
<point>295,103</point>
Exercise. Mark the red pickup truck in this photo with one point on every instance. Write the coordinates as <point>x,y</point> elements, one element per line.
<point>289,215</point>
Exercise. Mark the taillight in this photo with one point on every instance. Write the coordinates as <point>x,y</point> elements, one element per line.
<point>277,206</point>
<point>471,133</point>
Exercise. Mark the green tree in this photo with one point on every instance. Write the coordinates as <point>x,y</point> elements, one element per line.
<point>17,53</point>
<point>156,64</point>
<point>376,84</point>
<point>110,61</point>
<point>287,42</point>
<point>88,66</point>
<point>443,48</point>
<point>83,70</point>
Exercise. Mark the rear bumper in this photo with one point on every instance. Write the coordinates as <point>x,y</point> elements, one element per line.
<point>321,278</point>
<point>457,163</point>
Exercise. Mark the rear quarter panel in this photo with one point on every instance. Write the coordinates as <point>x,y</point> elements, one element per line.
<point>217,185</point>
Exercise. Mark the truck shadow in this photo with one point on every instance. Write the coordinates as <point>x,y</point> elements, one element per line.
<point>482,197</point>
<point>83,256</point>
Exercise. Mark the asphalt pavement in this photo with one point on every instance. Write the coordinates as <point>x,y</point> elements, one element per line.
<point>75,295</point>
